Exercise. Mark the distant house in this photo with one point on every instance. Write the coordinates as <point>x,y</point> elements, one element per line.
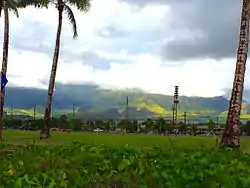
<point>204,128</point>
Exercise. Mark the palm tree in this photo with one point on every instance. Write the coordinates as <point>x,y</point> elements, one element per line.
<point>5,5</point>
<point>231,134</point>
<point>62,6</point>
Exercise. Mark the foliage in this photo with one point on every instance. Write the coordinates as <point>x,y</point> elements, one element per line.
<point>149,125</point>
<point>211,124</point>
<point>246,128</point>
<point>132,126</point>
<point>36,124</point>
<point>75,125</point>
<point>11,5</point>
<point>35,3</point>
<point>12,122</point>
<point>193,129</point>
<point>78,165</point>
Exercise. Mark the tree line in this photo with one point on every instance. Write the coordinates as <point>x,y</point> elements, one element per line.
<point>158,126</point>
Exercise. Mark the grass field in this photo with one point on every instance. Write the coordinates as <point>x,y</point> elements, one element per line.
<point>108,139</point>
<point>117,140</point>
<point>120,161</point>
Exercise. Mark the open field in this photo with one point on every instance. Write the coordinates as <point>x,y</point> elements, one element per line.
<point>108,139</point>
<point>134,141</point>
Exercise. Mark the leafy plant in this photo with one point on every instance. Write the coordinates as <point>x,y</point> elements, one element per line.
<point>81,165</point>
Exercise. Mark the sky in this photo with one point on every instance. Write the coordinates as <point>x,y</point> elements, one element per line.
<point>152,45</point>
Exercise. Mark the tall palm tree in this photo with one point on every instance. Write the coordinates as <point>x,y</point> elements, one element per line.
<point>5,5</point>
<point>231,134</point>
<point>62,6</point>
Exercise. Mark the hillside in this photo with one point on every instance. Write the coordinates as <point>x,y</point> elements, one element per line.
<point>93,102</point>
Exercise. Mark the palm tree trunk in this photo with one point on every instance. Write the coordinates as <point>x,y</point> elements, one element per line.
<point>231,134</point>
<point>4,61</point>
<point>45,132</point>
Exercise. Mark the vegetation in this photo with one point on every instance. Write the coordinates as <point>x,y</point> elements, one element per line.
<point>121,160</point>
<point>17,112</point>
<point>84,165</point>
<point>130,161</point>
<point>134,141</point>
<point>153,126</point>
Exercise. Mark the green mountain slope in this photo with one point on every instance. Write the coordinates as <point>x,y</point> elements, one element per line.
<point>92,102</point>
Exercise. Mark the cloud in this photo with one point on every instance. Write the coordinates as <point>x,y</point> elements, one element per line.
<point>213,26</point>
<point>200,29</point>
<point>111,31</point>
<point>122,44</point>
<point>145,71</point>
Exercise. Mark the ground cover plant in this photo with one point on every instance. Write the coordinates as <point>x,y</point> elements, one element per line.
<point>117,160</point>
<point>82,165</point>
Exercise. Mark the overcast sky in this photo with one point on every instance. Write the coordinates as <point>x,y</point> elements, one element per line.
<point>152,45</point>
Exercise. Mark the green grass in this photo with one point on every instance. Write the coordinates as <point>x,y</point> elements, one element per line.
<point>117,140</point>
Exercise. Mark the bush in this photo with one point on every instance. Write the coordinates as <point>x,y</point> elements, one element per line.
<point>75,125</point>
<point>78,165</point>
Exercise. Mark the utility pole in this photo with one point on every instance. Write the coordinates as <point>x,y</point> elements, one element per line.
<point>137,125</point>
<point>12,108</point>
<point>34,112</point>
<point>185,118</point>
<point>175,104</point>
<point>173,109</point>
<point>127,111</point>
<point>217,121</point>
<point>73,110</point>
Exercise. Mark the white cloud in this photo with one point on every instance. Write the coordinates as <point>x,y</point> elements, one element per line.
<point>205,77</point>
<point>200,78</point>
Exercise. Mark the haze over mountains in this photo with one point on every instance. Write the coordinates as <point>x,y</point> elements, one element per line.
<point>93,102</point>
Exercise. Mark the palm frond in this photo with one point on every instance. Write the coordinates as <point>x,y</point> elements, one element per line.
<point>12,6</point>
<point>82,5</point>
<point>71,18</point>
<point>35,3</point>
<point>85,4</point>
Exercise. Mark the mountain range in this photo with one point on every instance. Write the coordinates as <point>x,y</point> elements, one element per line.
<point>93,102</point>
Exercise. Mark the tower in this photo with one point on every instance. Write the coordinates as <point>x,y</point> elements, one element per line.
<point>175,105</point>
